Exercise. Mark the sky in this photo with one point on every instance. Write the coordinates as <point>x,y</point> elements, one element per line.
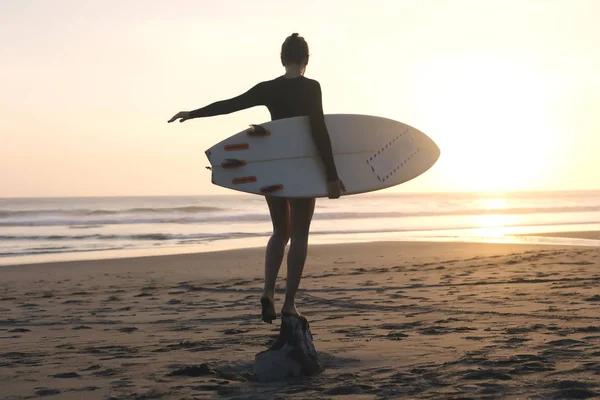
<point>509,90</point>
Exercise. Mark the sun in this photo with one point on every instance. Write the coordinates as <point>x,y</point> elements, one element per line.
<point>491,120</point>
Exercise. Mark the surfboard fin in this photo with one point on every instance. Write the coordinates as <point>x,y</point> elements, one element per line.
<point>243,179</point>
<point>271,189</point>
<point>233,163</point>
<point>257,130</point>
<point>237,146</point>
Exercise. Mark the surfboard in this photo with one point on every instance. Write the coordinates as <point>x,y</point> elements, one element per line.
<point>279,158</point>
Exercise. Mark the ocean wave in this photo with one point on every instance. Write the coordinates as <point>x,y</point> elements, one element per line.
<point>99,212</point>
<point>197,215</point>
<point>35,252</point>
<point>84,226</point>
<point>134,237</point>
<point>206,237</point>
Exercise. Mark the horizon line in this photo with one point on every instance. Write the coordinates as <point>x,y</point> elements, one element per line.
<point>477,192</point>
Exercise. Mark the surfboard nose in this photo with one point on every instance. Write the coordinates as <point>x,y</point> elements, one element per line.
<point>429,147</point>
<point>434,148</point>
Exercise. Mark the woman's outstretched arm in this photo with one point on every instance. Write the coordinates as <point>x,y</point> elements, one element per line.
<point>253,97</point>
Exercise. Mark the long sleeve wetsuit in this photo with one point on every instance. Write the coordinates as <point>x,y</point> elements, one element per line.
<point>285,98</point>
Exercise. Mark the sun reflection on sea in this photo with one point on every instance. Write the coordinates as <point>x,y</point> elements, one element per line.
<point>493,224</point>
<point>491,203</point>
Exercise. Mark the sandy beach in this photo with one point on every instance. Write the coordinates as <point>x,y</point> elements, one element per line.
<point>389,320</point>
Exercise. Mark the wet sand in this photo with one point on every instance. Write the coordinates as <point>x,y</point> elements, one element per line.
<point>592,235</point>
<point>390,320</point>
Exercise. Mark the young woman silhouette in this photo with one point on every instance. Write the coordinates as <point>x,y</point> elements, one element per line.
<point>290,95</point>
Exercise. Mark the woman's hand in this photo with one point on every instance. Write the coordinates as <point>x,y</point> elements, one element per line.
<point>335,189</point>
<point>183,115</point>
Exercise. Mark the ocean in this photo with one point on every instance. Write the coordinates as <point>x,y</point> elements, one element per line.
<point>56,229</point>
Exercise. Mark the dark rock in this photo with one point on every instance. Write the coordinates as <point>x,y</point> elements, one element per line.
<point>293,353</point>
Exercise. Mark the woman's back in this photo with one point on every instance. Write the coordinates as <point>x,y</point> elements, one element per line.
<point>290,97</point>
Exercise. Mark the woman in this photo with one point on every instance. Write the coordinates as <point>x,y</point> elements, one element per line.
<point>290,95</point>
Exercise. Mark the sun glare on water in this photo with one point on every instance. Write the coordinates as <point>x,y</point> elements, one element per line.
<point>493,203</point>
<point>493,222</point>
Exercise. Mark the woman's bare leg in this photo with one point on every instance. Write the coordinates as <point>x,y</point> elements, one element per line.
<point>280,216</point>
<point>301,211</point>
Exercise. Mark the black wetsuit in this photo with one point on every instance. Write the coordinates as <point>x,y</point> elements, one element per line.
<point>285,98</point>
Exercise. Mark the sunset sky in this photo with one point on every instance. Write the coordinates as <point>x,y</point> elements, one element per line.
<point>509,90</point>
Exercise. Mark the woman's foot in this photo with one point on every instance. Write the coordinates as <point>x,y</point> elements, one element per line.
<point>290,310</point>
<point>268,309</point>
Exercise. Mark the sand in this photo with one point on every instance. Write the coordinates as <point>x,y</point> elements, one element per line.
<point>390,320</point>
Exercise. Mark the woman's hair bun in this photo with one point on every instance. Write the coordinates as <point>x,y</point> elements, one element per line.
<point>294,50</point>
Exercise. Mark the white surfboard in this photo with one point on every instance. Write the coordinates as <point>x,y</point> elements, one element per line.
<point>370,153</point>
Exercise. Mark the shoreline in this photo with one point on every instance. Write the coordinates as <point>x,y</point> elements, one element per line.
<point>589,235</point>
<point>559,238</point>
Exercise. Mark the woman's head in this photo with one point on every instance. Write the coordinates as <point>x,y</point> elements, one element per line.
<point>294,50</point>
